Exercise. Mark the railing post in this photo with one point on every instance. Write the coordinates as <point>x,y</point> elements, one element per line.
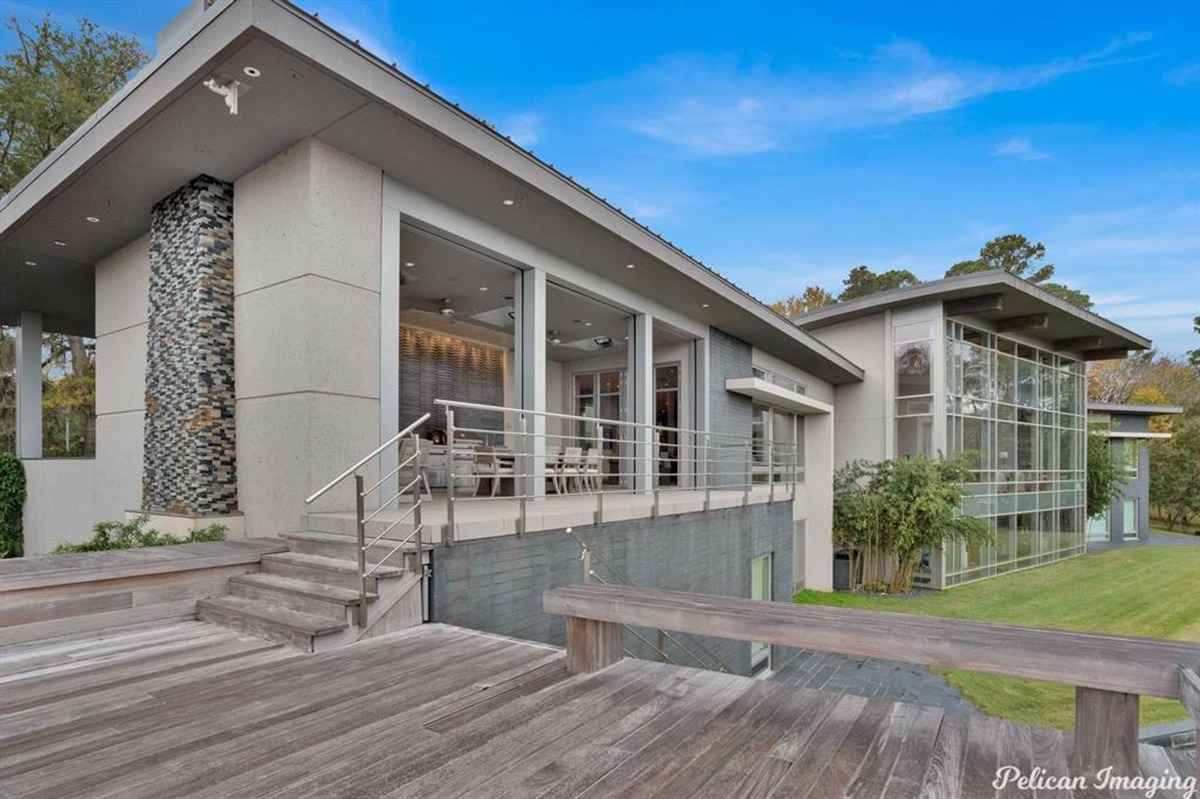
<point>655,474</point>
<point>749,473</point>
<point>419,555</point>
<point>448,534</point>
<point>1106,731</point>
<point>360,615</point>
<point>526,482</point>
<point>708,461</point>
<point>587,564</point>
<point>771,470</point>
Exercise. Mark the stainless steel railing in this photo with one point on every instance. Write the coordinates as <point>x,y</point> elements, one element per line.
<point>602,457</point>
<point>362,517</point>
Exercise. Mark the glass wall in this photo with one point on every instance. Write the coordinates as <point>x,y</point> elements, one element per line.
<point>1018,415</point>
<point>914,390</point>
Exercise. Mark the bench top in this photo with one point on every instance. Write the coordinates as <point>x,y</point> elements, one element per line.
<point>1132,665</point>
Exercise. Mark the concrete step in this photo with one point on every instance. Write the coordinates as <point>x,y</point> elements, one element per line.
<point>336,545</point>
<point>270,620</point>
<point>320,599</point>
<point>341,572</point>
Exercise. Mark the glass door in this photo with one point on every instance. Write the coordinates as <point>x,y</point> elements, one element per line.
<point>1097,528</point>
<point>666,414</point>
<point>762,589</point>
<point>601,395</point>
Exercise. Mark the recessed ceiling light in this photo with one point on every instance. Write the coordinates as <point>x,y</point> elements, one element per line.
<point>92,219</point>
<point>631,266</point>
<point>409,264</point>
<point>59,243</point>
<point>508,202</point>
<point>587,324</point>
<point>31,263</point>
<point>483,288</point>
<point>704,305</point>
<point>252,72</point>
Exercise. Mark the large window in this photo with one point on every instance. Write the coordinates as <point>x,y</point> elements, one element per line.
<point>1016,413</point>
<point>914,390</point>
<point>762,589</point>
<point>1129,451</point>
<point>600,394</point>
<point>68,394</point>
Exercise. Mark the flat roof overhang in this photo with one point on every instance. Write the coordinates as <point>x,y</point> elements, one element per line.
<point>1134,410</point>
<point>997,297</point>
<point>766,393</point>
<point>165,127</point>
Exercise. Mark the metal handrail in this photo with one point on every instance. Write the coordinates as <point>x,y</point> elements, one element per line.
<point>362,518</point>
<point>665,459</point>
<point>320,492</point>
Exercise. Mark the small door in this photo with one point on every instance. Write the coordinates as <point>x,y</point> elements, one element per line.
<point>761,588</point>
<point>1097,528</point>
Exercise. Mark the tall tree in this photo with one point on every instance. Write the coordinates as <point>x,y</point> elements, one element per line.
<point>51,82</point>
<point>1015,254</point>
<point>863,281</point>
<point>813,298</point>
<point>1011,252</point>
<point>1175,473</point>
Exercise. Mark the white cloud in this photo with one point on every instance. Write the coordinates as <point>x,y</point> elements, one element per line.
<point>525,129</point>
<point>723,107</point>
<point>1020,147</point>
<point>1185,75</point>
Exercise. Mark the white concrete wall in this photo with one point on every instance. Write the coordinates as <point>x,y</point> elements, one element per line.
<point>861,412</point>
<point>307,228</point>
<point>66,497</point>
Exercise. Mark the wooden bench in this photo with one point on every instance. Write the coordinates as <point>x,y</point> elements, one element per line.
<point>1109,673</point>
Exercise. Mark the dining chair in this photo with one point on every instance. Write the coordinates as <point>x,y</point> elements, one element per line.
<point>571,468</point>
<point>591,469</point>
<point>494,466</point>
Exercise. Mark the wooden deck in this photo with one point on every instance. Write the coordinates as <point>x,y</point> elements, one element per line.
<point>194,710</point>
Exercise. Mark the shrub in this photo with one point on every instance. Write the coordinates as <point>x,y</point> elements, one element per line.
<point>133,534</point>
<point>888,514</point>
<point>12,506</point>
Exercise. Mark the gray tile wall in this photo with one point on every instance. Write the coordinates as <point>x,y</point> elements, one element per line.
<point>728,412</point>
<point>496,584</point>
<point>189,455</point>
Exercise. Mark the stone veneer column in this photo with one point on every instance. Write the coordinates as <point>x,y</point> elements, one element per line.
<point>189,455</point>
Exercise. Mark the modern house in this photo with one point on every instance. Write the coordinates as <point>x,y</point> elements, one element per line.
<point>287,252</point>
<point>989,365</point>
<point>1128,430</point>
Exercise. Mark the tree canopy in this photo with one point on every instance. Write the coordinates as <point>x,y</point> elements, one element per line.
<point>1015,254</point>
<point>863,281</point>
<point>51,82</point>
<point>813,298</point>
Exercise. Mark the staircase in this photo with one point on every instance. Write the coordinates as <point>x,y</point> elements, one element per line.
<point>308,597</point>
<point>329,590</point>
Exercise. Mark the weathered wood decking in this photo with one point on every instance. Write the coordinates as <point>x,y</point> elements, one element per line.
<point>194,710</point>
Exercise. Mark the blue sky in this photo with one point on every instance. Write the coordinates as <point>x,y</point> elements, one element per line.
<point>784,143</point>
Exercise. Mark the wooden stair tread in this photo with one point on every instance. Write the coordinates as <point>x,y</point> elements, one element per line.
<point>329,564</point>
<point>329,593</point>
<point>336,538</point>
<point>304,623</point>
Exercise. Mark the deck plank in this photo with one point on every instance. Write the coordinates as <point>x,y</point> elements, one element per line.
<point>439,712</point>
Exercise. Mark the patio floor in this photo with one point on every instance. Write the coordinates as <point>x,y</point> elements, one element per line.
<point>486,517</point>
<point>195,710</point>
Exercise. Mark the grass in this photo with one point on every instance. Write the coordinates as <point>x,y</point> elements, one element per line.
<point>1145,591</point>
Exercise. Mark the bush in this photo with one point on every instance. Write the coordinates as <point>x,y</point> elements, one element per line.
<point>12,506</point>
<point>133,534</point>
<point>888,514</point>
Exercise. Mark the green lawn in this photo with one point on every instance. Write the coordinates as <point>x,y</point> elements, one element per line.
<point>1147,591</point>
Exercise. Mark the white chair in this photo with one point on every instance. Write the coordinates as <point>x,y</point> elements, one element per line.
<point>571,468</point>
<point>494,466</point>
<point>418,466</point>
<point>591,470</point>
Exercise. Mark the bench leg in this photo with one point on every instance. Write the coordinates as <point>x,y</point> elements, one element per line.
<point>1106,732</point>
<point>592,645</point>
